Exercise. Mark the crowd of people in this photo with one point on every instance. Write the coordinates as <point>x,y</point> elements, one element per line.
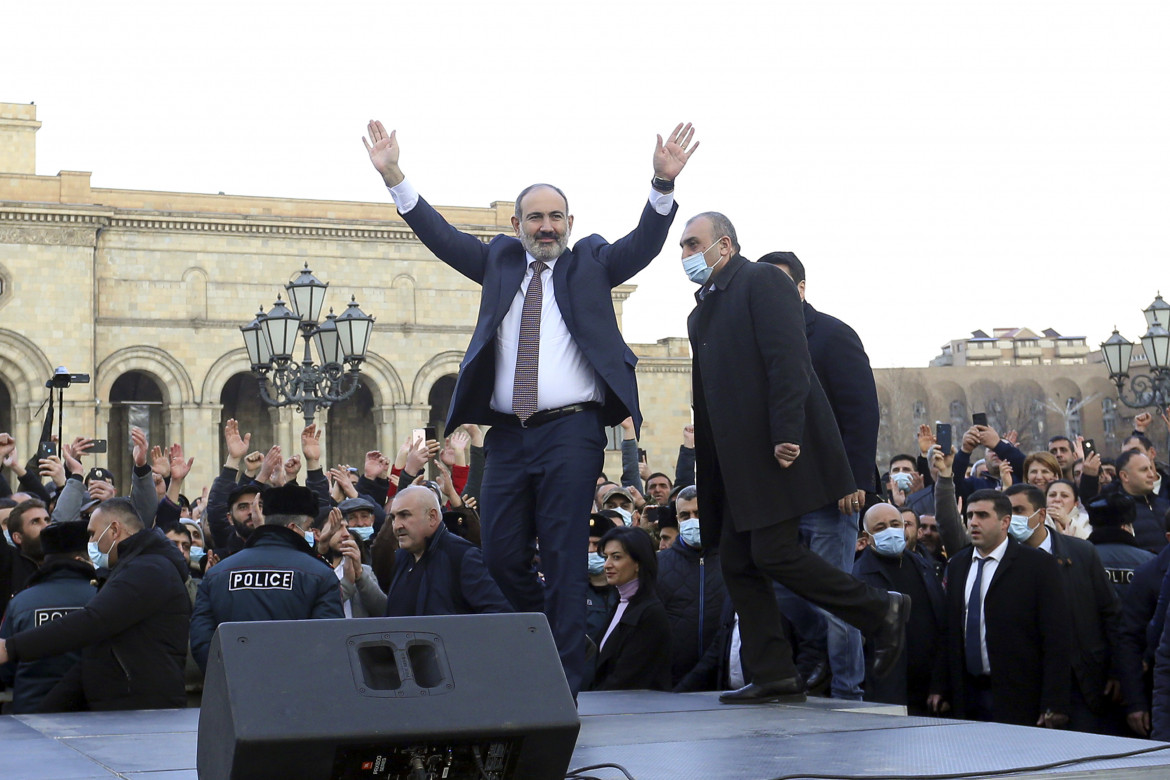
<point>775,560</point>
<point>111,601</point>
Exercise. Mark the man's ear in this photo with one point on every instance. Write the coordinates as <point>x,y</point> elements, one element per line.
<point>800,289</point>
<point>516,226</point>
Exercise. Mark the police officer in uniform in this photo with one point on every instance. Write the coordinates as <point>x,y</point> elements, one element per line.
<point>64,583</point>
<point>277,576</point>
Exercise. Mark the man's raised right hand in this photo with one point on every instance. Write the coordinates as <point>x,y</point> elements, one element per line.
<point>384,150</point>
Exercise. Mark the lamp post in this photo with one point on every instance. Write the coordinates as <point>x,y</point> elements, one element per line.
<point>1146,389</point>
<point>341,347</point>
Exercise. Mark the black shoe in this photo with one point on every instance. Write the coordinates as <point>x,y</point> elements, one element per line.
<point>817,678</point>
<point>890,638</point>
<point>790,689</point>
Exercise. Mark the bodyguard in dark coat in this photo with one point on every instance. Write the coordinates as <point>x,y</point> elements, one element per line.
<point>1026,621</point>
<point>132,634</point>
<point>768,451</point>
<point>277,576</point>
<point>690,587</point>
<point>63,584</point>
<point>1093,607</point>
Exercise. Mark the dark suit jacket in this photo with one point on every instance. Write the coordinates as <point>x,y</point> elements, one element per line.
<point>582,279</point>
<point>1095,611</point>
<point>1028,635</point>
<point>842,367</point>
<point>637,654</point>
<point>919,649</point>
<point>754,387</point>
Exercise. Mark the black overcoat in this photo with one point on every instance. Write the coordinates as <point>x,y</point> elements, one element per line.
<point>753,387</point>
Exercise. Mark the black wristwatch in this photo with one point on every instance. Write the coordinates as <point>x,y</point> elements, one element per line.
<point>665,186</point>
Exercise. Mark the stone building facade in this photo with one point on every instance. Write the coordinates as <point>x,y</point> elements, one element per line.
<point>146,291</point>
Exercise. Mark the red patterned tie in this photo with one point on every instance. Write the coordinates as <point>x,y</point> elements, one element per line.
<point>528,347</point>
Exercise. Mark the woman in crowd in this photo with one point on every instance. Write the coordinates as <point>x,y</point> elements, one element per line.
<point>1065,511</point>
<point>1040,469</point>
<point>635,650</point>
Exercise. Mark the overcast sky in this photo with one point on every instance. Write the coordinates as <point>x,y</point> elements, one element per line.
<point>938,166</point>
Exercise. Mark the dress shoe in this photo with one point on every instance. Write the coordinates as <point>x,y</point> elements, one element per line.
<point>790,689</point>
<point>817,678</point>
<point>890,638</point>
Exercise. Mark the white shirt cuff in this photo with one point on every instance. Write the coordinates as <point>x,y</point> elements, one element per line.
<point>662,202</point>
<point>405,196</point>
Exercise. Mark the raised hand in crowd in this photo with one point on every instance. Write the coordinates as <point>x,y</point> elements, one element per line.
<point>7,446</point>
<point>179,469</point>
<point>917,482</point>
<point>470,502</point>
<point>270,467</point>
<point>689,436</point>
<point>1141,423</point>
<point>417,456</point>
<point>970,439</point>
<point>376,465</point>
<point>341,487</point>
<point>160,461</point>
<point>446,485</point>
<point>311,446</point>
<point>926,439</point>
<point>141,446</point>
<point>52,468</point>
<point>101,490</point>
<point>459,442</point>
<point>1012,437</point>
<point>237,445</point>
<point>475,432</point>
<point>351,554</point>
<point>988,436</point>
<point>943,463</point>
<point>292,467</point>
<point>13,462</point>
<point>253,463</point>
<point>1005,474</point>
<point>200,506</point>
<point>639,499</point>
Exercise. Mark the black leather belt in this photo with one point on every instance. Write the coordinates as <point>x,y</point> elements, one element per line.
<point>548,415</point>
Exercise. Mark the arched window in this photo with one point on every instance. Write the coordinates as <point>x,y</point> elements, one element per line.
<point>136,400</point>
<point>240,399</point>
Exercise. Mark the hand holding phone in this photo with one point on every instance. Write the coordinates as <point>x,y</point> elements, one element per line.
<point>979,418</point>
<point>943,437</point>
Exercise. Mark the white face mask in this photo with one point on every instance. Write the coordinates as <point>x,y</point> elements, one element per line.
<point>689,531</point>
<point>99,559</point>
<point>627,518</point>
<point>696,266</point>
<point>1021,528</point>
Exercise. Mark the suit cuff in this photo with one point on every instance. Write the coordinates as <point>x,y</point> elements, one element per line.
<point>405,196</point>
<point>661,202</point>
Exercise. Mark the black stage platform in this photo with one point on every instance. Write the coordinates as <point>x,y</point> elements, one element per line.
<point>656,736</point>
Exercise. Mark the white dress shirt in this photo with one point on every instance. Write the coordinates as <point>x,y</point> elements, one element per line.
<point>989,568</point>
<point>565,376</point>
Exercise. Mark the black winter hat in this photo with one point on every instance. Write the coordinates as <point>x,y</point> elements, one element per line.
<point>289,500</point>
<point>65,537</point>
<point>1112,509</point>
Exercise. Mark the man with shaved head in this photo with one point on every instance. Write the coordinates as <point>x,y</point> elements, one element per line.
<point>887,562</point>
<point>547,369</point>
<point>436,572</point>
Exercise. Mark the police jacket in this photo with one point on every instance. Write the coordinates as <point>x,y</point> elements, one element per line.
<point>56,590</point>
<point>454,580</point>
<point>132,634</point>
<point>1120,555</point>
<point>277,576</point>
<point>690,587</point>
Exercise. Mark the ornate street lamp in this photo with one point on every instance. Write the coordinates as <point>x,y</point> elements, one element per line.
<point>1146,389</point>
<point>341,347</point>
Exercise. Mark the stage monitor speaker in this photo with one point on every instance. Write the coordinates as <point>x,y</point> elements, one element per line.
<point>444,697</point>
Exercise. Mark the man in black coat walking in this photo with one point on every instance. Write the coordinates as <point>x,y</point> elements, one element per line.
<point>132,634</point>
<point>768,451</point>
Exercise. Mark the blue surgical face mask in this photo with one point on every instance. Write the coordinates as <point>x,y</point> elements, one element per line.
<point>596,563</point>
<point>689,531</point>
<point>903,481</point>
<point>310,538</point>
<point>890,542</point>
<point>364,532</point>
<point>197,553</point>
<point>696,266</point>
<point>8,538</point>
<point>1021,528</point>
<point>99,559</point>
<point>627,518</point>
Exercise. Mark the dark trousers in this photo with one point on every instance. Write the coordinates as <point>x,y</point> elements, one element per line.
<point>538,483</point>
<point>752,559</point>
